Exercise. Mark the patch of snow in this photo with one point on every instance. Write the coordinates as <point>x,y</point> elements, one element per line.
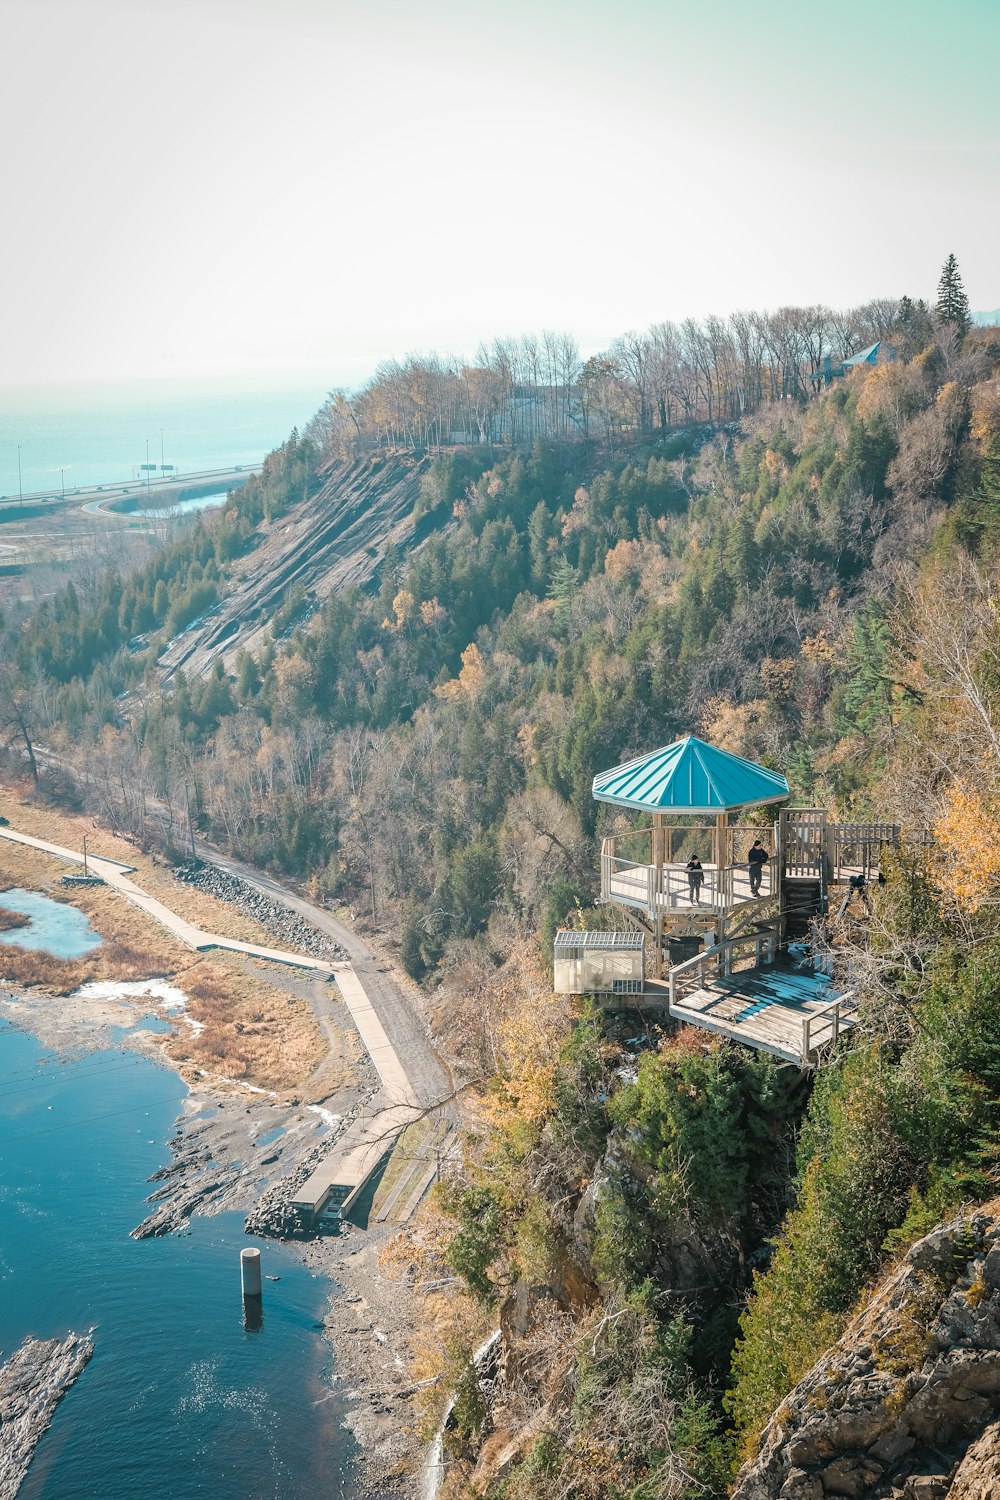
<point>169,996</point>
<point>128,989</point>
<point>236,1083</point>
<point>326,1115</point>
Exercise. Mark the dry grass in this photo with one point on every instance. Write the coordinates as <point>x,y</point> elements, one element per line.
<point>152,874</point>
<point>133,946</point>
<point>255,1030</point>
<point>9,920</point>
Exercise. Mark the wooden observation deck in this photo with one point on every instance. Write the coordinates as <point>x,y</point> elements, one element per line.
<point>738,985</point>
<point>774,1004</point>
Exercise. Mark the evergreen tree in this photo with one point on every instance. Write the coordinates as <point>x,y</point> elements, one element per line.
<point>915,330</point>
<point>952,304</point>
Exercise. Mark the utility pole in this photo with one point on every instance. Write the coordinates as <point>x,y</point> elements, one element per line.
<point>62,482</point>
<point>20,492</point>
<point>187,799</point>
<point>147,473</point>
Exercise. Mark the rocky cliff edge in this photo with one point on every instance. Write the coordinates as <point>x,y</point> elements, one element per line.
<point>906,1406</point>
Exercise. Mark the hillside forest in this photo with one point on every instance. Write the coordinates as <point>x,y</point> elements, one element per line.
<point>669,1228</point>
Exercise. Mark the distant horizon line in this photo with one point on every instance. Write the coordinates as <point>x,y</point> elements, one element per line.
<point>311,374</point>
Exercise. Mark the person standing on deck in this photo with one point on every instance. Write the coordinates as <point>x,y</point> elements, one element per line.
<point>696,875</point>
<point>757,858</point>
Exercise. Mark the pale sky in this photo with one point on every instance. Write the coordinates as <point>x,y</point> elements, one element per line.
<point>280,188</point>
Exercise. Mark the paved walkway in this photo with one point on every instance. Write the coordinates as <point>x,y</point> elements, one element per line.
<point>390,1070</point>
<point>386,1001</point>
<point>115,874</point>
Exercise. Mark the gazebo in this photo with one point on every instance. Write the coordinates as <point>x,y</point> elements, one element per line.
<point>682,786</point>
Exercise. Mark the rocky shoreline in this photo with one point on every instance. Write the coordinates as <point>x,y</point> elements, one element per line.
<point>32,1383</point>
<point>239,1148</point>
<point>293,931</point>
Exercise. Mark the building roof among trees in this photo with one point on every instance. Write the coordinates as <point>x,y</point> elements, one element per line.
<point>865,356</point>
<point>690,776</point>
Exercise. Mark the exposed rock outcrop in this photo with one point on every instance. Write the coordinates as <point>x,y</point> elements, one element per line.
<point>32,1383</point>
<point>333,539</point>
<point>978,1476</point>
<point>905,1406</point>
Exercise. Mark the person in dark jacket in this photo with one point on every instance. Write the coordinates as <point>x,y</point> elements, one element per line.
<point>696,875</point>
<point>757,858</point>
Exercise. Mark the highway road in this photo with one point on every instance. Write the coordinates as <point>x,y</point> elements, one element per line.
<point>224,477</point>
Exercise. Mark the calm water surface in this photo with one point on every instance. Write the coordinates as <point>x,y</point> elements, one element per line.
<point>53,926</point>
<point>180,1398</point>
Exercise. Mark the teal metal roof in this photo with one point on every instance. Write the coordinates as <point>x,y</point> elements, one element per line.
<point>690,776</point>
<point>866,357</point>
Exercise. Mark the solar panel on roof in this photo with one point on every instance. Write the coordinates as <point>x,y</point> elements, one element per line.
<point>629,942</point>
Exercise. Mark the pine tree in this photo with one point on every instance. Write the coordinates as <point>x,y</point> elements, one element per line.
<point>952,303</point>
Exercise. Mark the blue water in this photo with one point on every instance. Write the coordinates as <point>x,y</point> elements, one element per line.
<point>98,435</point>
<point>54,928</point>
<point>185,507</point>
<point>181,1399</point>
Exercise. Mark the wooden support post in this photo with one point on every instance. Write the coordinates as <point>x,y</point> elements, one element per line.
<point>723,893</point>
<point>778,879</point>
<point>660,894</point>
<point>806,1027</point>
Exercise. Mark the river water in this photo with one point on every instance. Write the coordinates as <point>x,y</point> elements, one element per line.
<point>98,435</point>
<point>181,1398</point>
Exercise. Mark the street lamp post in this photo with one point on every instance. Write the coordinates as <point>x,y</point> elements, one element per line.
<point>62,482</point>
<point>20,492</point>
<point>147,473</point>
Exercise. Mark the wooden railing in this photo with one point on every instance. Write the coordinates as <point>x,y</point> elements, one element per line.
<point>859,846</point>
<point>718,961</point>
<point>824,1025</point>
<point>667,888</point>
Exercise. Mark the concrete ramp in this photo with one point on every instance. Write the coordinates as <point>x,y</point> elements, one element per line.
<point>339,1181</point>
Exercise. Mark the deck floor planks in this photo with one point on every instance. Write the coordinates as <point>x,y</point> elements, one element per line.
<point>761,1007</point>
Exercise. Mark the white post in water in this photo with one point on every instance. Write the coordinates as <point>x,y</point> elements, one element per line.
<point>250,1272</point>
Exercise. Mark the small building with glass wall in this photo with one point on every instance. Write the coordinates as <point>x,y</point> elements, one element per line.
<point>599,963</point>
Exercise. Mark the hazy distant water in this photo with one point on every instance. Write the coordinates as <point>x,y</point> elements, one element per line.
<point>180,1400</point>
<point>99,436</point>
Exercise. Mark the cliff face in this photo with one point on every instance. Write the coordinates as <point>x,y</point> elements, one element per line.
<point>905,1407</point>
<point>337,537</point>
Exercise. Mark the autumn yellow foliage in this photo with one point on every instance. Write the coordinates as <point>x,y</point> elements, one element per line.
<point>530,1036</point>
<point>968,836</point>
<point>471,679</point>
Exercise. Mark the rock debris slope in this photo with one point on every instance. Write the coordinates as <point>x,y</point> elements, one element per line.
<point>905,1407</point>
<point>337,537</point>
